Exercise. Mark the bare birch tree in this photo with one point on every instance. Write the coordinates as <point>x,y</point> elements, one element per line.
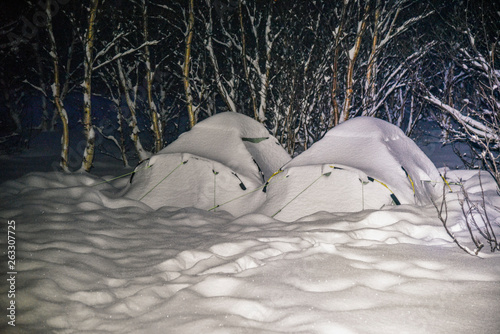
<point>338,33</point>
<point>130,94</point>
<point>353,56</point>
<point>88,154</point>
<point>388,25</point>
<point>57,94</point>
<point>187,63</point>
<point>255,28</point>
<point>153,110</point>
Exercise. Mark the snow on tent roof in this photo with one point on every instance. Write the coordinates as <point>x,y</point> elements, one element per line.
<point>381,150</point>
<point>364,163</point>
<point>235,140</point>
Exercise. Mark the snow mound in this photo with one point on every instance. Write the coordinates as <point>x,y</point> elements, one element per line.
<point>217,164</point>
<point>89,261</point>
<point>364,163</point>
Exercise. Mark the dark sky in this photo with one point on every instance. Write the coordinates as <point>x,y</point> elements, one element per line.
<point>11,9</point>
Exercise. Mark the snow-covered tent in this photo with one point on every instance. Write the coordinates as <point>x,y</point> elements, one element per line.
<point>216,165</point>
<point>364,163</point>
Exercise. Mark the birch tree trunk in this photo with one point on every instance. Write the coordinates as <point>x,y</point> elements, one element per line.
<point>334,120</point>
<point>153,110</point>
<point>186,68</point>
<point>227,94</point>
<point>56,92</point>
<point>265,77</point>
<point>371,68</point>
<point>353,55</point>
<point>132,122</point>
<point>245,64</point>
<point>88,154</point>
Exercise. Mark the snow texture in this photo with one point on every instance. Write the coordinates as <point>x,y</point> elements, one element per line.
<point>89,260</point>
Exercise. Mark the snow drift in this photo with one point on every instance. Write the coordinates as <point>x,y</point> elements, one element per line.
<point>91,261</point>
<point>217,164</point>
<point>364,163</point>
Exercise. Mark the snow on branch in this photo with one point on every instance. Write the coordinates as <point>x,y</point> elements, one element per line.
<point>475,127</point>
<point>404,27</point>
<point>109,45</point>
<point>38,88</point>
<point>126,53</point>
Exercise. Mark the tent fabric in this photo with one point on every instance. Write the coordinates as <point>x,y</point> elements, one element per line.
<point>305,190</point>
<point>186,180</point>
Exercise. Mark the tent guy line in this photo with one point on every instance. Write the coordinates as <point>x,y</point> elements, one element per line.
<point>121,176</point>
<point>300,193</point>
<point>173,170</point>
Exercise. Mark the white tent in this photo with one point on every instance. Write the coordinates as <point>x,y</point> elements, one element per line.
<point>216,165</point>
<point>364,163</point>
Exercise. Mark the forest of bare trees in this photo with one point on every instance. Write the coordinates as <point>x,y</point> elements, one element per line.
<point>300,67</point>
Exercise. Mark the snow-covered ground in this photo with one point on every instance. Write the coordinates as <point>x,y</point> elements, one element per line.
<point>89,260</point>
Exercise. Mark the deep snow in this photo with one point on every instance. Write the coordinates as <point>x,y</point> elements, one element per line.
<point>91,261</point>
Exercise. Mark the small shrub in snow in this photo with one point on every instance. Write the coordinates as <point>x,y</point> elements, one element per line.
<point>476,219</point>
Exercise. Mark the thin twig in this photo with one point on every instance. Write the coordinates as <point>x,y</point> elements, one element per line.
<point>444,218</point>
